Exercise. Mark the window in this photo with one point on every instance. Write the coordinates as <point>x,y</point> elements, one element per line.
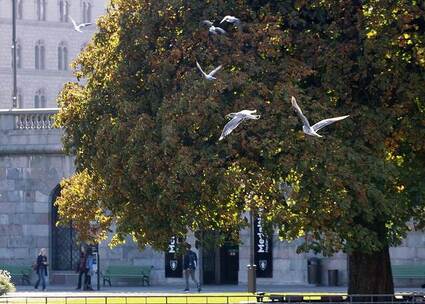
<point>87,8</point>
<point>63,11</point>
<point>19,11</point>
<point>40,55</point>
<point>18,55</point>
<point>40,99</point>
<point>62,57</point>
<point>41,9</point>
<point>19,99</point>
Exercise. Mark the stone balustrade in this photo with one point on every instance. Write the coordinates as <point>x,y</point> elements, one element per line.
<point>41,118</point>
<point>24,131</point>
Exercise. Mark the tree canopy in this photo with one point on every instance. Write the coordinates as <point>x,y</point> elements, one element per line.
<point>145,125</point>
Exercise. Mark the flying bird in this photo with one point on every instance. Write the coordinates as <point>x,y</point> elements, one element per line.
<point>211,74</point>
<point>231,19</point>
<point>237,118</point>
<point>214,30</point>
<point>78,27</point>
<point>312,130</point>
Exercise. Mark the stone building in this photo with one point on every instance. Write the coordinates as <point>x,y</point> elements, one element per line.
<point>46,45</point>
<point>32,164</point>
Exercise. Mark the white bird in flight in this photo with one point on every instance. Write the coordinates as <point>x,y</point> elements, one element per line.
<point>312,130</point>
<point>211,74</point>
<point>79,26</point>
<point>215,30</point>
<point>231,19</point>
<point>237,118</point>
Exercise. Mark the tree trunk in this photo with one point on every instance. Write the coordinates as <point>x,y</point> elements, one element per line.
<point>370,273</point>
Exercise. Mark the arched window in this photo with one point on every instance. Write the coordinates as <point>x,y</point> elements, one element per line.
<point>62,57</point>
<point>87,10</point>
<point>63,10</point>
<point>18,55</point>
<point>19,99</point>
<point>40,55</point>
<point>40,99</point>
<point>19,11</point>
<point>41,6</point>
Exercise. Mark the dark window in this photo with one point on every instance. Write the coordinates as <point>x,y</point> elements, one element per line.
<point>19,12</point>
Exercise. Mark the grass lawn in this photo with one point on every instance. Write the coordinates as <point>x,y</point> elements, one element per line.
<point>213,298</point>
<point>190,298</point>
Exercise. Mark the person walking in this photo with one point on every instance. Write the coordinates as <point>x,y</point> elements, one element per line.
<point>81,267</point>
<point>190,261</point>
<point>89,269</point>
<point>41,268</point>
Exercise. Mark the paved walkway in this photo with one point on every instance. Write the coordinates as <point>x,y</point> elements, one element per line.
<point>62,291</point>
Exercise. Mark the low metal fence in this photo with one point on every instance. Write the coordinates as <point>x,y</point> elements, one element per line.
<point>217,299</point>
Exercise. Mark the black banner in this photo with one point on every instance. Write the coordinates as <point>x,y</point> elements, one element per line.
<point>263,250</point>
<point>173,262</point>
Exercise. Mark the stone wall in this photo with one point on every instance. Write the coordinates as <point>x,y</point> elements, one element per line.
<point>26,184</point>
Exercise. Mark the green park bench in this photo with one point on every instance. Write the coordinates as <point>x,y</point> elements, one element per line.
<point>408,271</point>
<point>124,271</point>
<point>24,272</point>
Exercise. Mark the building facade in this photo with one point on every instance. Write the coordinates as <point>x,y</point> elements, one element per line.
<point>46,45</point>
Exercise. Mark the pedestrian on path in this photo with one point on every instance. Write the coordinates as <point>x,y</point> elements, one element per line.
<point>81,267</point>
<point>190,261</point>
<point>89,269</point>
<point>41,269</point>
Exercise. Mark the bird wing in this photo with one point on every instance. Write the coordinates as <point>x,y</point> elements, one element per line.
<point>215,70</point>
<point>73,21</point>
<point>199,67</point>
<point>231,125</point>
<point>207,22</point>
<point>299,112</point>
<point>325,122</point>
<point>84,24</point>
<point>224,19</point>
<point>219,29</point>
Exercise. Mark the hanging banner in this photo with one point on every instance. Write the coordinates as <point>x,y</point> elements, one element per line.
<point>263,250</point>
<point>173,262</point>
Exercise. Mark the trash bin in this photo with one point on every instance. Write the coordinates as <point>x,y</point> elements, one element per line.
<point>333,277</point>
<point>313,268</point>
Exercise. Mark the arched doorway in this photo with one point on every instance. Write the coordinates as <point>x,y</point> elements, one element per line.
<point>65,249</point>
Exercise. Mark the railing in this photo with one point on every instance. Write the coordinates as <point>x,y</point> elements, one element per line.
<point>217,299</point>
<point>27,119</point>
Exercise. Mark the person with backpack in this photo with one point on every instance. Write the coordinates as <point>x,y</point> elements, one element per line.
<point>190,261</point>
<point>90,261</point>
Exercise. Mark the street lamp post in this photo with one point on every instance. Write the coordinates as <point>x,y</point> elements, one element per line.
<point>14,65</point>
<point>252,279</point>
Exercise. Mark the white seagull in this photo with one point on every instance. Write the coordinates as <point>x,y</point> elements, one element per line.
<point>237,118</point>
<point>211,74</point>
<point>312,130</point>
<point>231,19</point>
<point>78,27</point>
<point>215,30</point>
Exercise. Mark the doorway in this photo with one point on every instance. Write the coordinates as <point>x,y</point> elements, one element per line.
<point>221,265</point>
<point>65,249</point>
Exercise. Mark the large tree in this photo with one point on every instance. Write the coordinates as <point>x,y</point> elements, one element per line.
<point>144,127</point>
